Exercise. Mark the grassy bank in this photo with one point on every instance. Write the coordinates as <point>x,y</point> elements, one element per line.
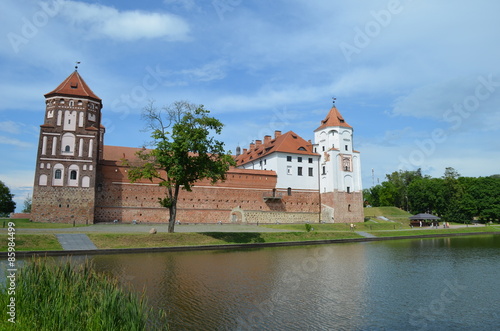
<point>32,242</point>
<point>50,296</point>
<point>417,232</point>
<point>117,240</point>
<point>366,226</point>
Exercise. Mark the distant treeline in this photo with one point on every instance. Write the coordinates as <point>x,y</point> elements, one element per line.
<point>451,197</point>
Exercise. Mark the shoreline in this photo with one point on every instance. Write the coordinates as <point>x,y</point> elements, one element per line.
<point>234,246</point>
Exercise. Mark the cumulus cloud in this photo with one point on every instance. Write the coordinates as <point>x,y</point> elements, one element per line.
<point>10,127</point>
<point>15,142</point>
<point>100,21</point>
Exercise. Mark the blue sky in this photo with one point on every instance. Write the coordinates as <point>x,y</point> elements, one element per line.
<point>418,80</point>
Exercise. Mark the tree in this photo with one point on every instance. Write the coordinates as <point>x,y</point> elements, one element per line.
<point>184,151</point>
<point>7,205</point>
<point>27,204</point>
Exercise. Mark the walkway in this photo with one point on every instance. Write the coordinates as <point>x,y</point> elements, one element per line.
<point>366,234</point>
<point>75,241</point>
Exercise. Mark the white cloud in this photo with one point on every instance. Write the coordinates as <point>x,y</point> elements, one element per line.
<point>11,127</point>
<point>99,21</point>
<point>15,142</point>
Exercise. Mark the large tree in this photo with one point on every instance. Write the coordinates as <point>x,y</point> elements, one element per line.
<point>184,151</point>
<point>7,205</point>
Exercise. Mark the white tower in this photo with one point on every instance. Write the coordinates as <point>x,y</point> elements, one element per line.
<point>340,170</point>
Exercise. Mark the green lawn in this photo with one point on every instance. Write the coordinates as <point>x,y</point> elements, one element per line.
<point>112,240</point>
<point>366,226</point>
<point>32,242</point>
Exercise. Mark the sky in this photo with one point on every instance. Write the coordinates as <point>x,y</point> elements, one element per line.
<point>419,81</point>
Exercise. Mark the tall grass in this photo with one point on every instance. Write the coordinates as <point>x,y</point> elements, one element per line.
<point>51,296</point>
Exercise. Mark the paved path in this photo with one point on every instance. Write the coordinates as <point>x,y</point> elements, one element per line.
<point>144,228</point>
<point>75,241</point>
<point>365,234</point>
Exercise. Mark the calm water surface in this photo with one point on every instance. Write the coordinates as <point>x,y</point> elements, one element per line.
<point>427,284</point>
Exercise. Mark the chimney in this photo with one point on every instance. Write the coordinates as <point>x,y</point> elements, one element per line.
<point>277,133</point>
<point>267,139</point>
<point>245,150</point>
<point>252,145</point>
<point>258,143</point>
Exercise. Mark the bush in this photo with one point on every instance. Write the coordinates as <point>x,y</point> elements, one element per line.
<point>308,227</point>
<point>51,296</point>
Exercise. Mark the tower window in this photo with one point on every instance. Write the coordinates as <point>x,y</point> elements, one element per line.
<point>346,147</point>
<point>348,189</point>
<point>324,171</point>
<point>58,174</point>
<point>72,174</point>
<point>67,148</point>
<point>289,191</point>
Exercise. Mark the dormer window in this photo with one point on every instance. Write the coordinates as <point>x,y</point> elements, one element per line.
<point>74,85</point>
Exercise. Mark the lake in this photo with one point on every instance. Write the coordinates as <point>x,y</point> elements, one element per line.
<point>422,284</point>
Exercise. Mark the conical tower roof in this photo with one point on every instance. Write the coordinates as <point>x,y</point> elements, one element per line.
<point>334,118</point>
<point>75,86</point>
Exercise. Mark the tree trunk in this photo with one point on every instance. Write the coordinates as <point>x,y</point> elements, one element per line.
<point>173,212</point>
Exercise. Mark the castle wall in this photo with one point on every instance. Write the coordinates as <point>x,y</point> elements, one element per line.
<point>343,207</point>
<point>243,198</point>
<point>63,204</point>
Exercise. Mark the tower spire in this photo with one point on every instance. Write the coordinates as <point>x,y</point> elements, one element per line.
<point>77,63</point>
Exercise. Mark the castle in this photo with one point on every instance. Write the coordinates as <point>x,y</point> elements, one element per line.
<point>282,178</point>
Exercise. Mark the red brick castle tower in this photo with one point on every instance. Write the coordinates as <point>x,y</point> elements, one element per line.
<point>69,148</point>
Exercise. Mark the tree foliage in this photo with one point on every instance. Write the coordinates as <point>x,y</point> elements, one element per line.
<point>7,204</point>
<point>184,151</point>
<point>452,197</point>
<point>27,204</point>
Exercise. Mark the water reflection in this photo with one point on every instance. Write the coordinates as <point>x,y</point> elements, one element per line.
<point>425,284</point>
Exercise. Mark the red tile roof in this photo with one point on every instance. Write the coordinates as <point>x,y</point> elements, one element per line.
<point>289,142</point>
<point>74,85</point>
<point>117,153</point>
<point>334,118</point>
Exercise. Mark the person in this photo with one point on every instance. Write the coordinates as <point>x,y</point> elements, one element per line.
<point>352,226</point>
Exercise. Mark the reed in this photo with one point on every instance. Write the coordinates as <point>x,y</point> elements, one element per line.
<point>52,296</point>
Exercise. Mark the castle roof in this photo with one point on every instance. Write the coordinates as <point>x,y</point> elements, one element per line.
<point>334,118</point>
<point>74,85</point>
<point>289,142</point>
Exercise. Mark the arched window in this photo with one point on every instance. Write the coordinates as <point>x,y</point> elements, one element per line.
<point>67,148</point>
<point>58,174</point>
<point>73,175</point>
<point>289,191</point>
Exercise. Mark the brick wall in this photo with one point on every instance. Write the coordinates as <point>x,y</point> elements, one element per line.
<point>347,207</point>
<point>244,190</point>
<point>63,204</point>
